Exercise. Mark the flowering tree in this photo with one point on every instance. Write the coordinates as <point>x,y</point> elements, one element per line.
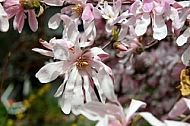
<point>104,48</point>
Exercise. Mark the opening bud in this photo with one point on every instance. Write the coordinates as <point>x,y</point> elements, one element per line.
<point>119,46</point>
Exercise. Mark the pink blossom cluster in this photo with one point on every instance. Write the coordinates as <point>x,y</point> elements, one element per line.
<point>119,30</point>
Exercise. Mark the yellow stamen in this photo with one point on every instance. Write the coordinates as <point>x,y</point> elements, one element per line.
<point>78,9</point>
<point>82,62</point>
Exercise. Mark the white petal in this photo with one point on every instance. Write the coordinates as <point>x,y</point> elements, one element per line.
<point>103,122</point>
<point>49,72</point>
<point>159,27</point>
<point>106,83</point>
<point>78,96</point>
<point>43,52</point>
<point>142,24</point>
<point>151,119</point>
<point>186,57</point>
<point>68,93</point>
<point>86,89</point>
<point>182,39</point>
<point>53,2</point>
<point>175,123</point>
<point>134,106</point>
<point>4,23</point>
<point>54,21</point>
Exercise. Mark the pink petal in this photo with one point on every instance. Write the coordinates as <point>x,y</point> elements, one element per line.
<point>147,5</point>
<point>181,106</point>
<point>43,52</point>
<point>54,21</point>
<point>95,51</point>
<point>66,19</point>
<point>50,71</point>
<point>87,13</point>
<point>106,83</point>
<point>18,22</point>
<point>33,23</point>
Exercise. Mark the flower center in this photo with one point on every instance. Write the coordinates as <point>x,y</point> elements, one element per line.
<point>78,9</point>
<point>82,62</point>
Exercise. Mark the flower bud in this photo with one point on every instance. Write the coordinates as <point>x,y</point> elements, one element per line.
<point>120,46</point>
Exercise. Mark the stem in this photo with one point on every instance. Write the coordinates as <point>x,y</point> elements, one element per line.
<point>151,44</point>
<point>107,44</point>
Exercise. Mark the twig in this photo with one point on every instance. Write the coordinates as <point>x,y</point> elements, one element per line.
<point>107,44</point>
<point>151,44</point>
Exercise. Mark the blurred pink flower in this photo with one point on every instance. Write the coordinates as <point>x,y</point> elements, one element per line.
<point>157,11</point>
<point>15,8</point>
<point>110,114</point>
<point>180,107</point>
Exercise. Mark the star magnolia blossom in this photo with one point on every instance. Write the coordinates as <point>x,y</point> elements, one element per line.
<point>110,114</point>
<point>4,23</point>
<point>112,14</point>
<point>85,75</point>
<point>15,8</point>
<point>152,9</point>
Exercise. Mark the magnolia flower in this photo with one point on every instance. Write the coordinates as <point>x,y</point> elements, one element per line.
<point>112,14</point>
<point>85,75</point>
<point>4,23</point>
<point>154,10</point>
<point>17,8</point>
<point>110,114</point>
